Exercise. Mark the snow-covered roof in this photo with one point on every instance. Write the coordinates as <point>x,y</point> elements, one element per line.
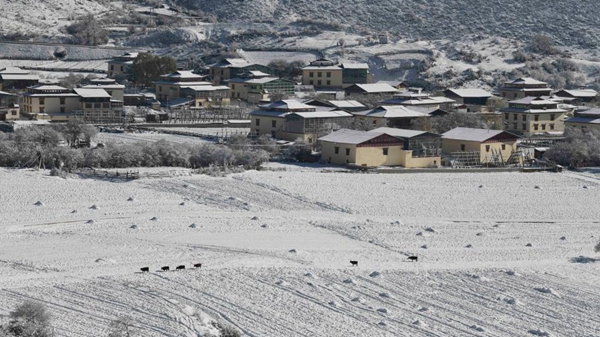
<point>104,86</point>
<point>583,93</point>
<point>472,134</point>
<point>470,93</point>
<point>268,113</point>
<point>347,104</point>
<point>322,68</point>
<point>377,88</point>
<point>288,104</point>
<point>589,112</point>
<point>347,136</point>
<point>323,114</point>
<point>45,87</point>
<point>206,87</point>
<point>19,77</point>
<point>402,133</point>
<point>526,80</point>
<point>182,74</point>
<point>260,80</point>
<point>92,93</point>
<point>391,111</point>
<point>532,101</point>
<point>355,66</point>
<point>13,71</point>
<point>583,120</point>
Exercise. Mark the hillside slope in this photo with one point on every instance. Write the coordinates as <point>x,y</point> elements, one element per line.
<point>569,22</point>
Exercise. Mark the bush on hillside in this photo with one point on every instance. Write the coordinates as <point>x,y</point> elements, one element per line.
<point>581,148</point>
<point>30,319</point>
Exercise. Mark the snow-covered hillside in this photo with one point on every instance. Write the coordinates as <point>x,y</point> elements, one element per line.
<point>506,259</point>
<point>570,21</point>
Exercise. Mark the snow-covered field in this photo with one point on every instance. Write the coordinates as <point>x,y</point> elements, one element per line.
<point>500,260</point>
<point>151,137</point>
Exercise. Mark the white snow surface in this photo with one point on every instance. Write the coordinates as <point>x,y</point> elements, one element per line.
<point>89,273</point>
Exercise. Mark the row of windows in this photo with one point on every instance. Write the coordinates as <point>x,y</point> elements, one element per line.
<point>385,151</point>
<point>319,74</point>
<point>311,82</point>
<point>273,123</point>
<point>524,117</point>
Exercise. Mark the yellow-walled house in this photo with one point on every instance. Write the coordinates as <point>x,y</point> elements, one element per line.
<point>585,120</point>
<point>524,87</point>
<point>120,65</point>
<point>323,73</point>
<point>50,100</point>
<point>382,147</point>
<point>534,115</point>
<point>169,87</point>
<point>490,146</point>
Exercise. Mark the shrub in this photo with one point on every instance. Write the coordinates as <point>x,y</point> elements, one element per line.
<point>30,319</point>
<point>581,148</point>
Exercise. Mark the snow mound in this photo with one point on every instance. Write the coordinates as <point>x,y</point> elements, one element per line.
<point>385,295</point>
<point>382,310</point>
<point>423,309</point>
<point>335,304</point>
<point>154,219</point>
<point>537,188</point>
<point>395,222</point>
<point>311,275</point>
<point>292,251</point>
<point>479,278</point>
<point>90,222</point>
<point>349,281</point>
<point>511,273</point>
<point>424,246</point>
<point>193,225</point>
<point>382,324</point>
<point>359,300</point>
<point>94,207</point>
<point>479,234</point>
<point>282,283</point>
<point>375,274</point>
<point>563,238</point>
<point>430,230</point>
<point>539,333</point>
<point>39,203</point>
<point>547,291</point>
<point>105,261</point>
<point>529,245</point>
<point>182,203</point>
<point>130,199</point>
<point>419,323</point>
<point>74,211</point>
<point>509,300</point>
<point>255,217</point>
<point>133,226</point>
<point>264,226</point>
<point>469,246</point>
<point>477,328</point>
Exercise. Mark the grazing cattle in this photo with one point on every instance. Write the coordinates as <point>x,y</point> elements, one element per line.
<point>354,263</point>
<point>198,265</point>
<point>180,267</point>
<point>165,268</point>
<point>413,258</point>
<point>145,269</point>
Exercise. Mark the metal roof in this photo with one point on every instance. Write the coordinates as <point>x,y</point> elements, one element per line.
<point>347,104</point>
<point>472,134</point>
<point>581,93</point>
<point>288,104</point>
<point>19,77</point>
<point>402,133</point>
<point>355,66</point>
<point>182,74</point>
<point>391,111</point>
<point>269,113</point>
<point>323,114</point>
<point>14,71</point>
<point>206,87</point>
<point>91,93</point>
<point>583,120</point>
<point>470,93</point>
<point>347,136</point>
<point>532,100</point>
<point>377,88</point>
<point>526,80</point>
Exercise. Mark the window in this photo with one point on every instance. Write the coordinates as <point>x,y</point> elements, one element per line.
<point>97,105</point>
<point>311,74</point>
<point>112,67</point>
<point>62,101</point>
<point>524,118</point>
<point>319,82</point>
<point>88,105</point>
<point>310,140</point>
<point>347,152</point>
<point>42,110</point>
<point>62,109</point>
<point>311,82</point>
<point>336,149</point>
<point>160,88</point>
<point>274,124</point>
<point>374,122</point>
<point>258,122</point>
<point>385,151</point>
<point>543,126</point>
<point>14,112</point>
<point>319,74</point>
<point>462,147</point>
<point>551,126</point>
<point>328,74</point>
<point>42,101</point>
<point>503,147</point>
<point>515,117</point>
<point>514,126</point>
<point>328,82</point>
<point>536,118</point>
<point>221,72</point>
<point>487,148</point>
<point>524,126</point>
<point>233,87</point>
<point>105,105</point>
<point>552,117</point>
<point>535,127</point>
<point>506,116</point>
<point>121,68</point>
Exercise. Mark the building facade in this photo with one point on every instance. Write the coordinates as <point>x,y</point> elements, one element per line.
<point>533,116</point>
<point>524,87</point>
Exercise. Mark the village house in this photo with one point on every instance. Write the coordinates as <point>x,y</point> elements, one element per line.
<point>206,95</point>
<point>533,115</point>
<point>389,115</point>
<point>400,85</point>
<point>346,105</point>
<point>328,74</point>
<point>479,146</point>
<point>116,91</point>
<point>378,90</point>
<point>307,122</point>
<point>61,104</point>
<point>581,95</point>
<point>474,100</point>
<point>120,66</point>
<point>169,86</point>
<point>414,97</point>
<point>9,107</point>
<point>229,68</point>
<point>14,79</point>
<point>524,87</point>
<point>585,119</point>
<point>254,86</point>
<point>382,147</point>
